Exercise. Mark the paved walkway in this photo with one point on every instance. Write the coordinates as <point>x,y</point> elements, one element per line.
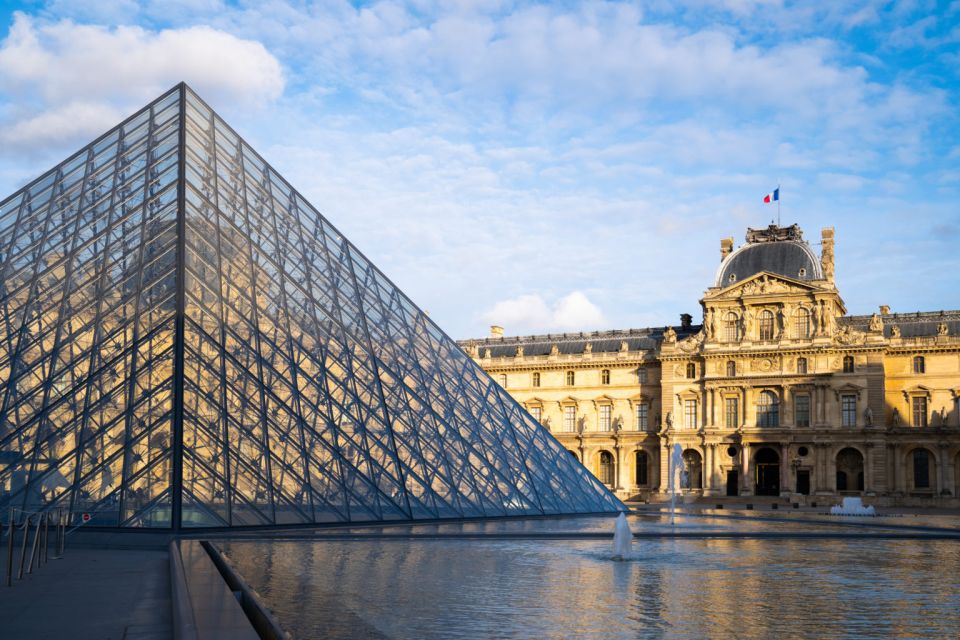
<point>89,594</point>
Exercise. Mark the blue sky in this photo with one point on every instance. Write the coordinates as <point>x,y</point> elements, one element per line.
<point>547,166</point>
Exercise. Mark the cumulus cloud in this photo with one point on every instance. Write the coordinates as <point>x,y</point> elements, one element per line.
<point>75,78</point>
<point>531,313</point>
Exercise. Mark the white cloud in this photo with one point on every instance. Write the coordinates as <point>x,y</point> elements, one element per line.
<point>55,71</point>
<point>531,312</point>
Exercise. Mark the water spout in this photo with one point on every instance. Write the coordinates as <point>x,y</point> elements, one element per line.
<point>622,538</point>
<point>852,507</point>
<point>673,482</point>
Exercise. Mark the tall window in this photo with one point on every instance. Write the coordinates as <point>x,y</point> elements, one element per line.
<point>731,328</point>
<point>848,364</point>
<point>802,366</point>
<point>571,378</point>
<point>801,324</point>
<point>732,411</point>
<point>642,375</point>
<point>643,416</point>
<point>569,419</point>
<point>605,376</point>
<point>503,380</point>
<point>768,410</point>
<point>605,410</point>
<point>731,369</point>
<point>919,366</point>
<point>801,410</point>
<point>606,467</point>
<point>536,378</point>
<point>848,410</point>
<point>766,325</point>
<point>921,469</point>
<point>642,466</point>
<point>537,413</point>
<point>919,411</point>
<point>691,371</point>
<point>690,414</point>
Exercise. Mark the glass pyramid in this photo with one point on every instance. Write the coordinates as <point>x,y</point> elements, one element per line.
<point>186,342</point>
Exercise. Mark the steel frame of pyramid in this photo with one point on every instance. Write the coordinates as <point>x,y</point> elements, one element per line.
<point>186,343</point>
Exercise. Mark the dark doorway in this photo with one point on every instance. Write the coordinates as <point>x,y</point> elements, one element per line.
<point>733,483</point>
<point>803,482</point>
<point>768,473</point>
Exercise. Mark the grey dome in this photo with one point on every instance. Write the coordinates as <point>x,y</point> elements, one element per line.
<point>791,258</point>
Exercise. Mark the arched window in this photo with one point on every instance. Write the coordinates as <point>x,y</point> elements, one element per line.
<point>605,376</point>
<point>801,324</point>
<point>503,380</point>
<point>801,366</point>
<point>731,328</point>
<point>766,325</point>
<point>606,467</point>
<point>919,366</point>
<point>691,371</point>
<point>536,379</point>
<point>731,369</point>
<point>571,378</point>
<point>848,364</point>
<point>642,467</point>
<point>768,410</point>
<point>921,469</point>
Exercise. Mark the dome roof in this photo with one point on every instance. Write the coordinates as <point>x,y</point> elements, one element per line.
<point>791,258</point>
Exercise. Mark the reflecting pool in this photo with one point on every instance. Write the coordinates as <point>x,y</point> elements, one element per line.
<point>677,588</point>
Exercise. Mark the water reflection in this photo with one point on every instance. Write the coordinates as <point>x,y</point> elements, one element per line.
<point>563,589</point>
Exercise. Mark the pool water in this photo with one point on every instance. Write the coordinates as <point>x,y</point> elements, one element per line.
<point>676,588</point>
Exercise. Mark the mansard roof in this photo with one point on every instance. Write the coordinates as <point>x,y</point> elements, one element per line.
<point>912,325</point>
<point>575,343</point>
<point>775,250</point>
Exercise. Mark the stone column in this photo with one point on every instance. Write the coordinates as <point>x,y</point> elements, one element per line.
<point>618,476</point>
<point>868,481</point>
<point>786,415</point>
<point>664,465</point>
<point>747,480</point>
<point>785,481</point>
<point>944,479</point>
<point>708,469</point>
<point>898,471</point>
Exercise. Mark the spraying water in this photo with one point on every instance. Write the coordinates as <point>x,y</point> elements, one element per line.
<point>673,480</point>
<point>622,538</point>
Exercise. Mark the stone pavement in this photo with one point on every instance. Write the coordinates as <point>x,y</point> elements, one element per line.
<point>89,594</point>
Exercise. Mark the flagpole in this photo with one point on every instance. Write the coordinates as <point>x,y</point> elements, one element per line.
<point>778,203</point>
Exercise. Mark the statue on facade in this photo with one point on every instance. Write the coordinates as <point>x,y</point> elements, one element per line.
<point>868,416</point>
<point>554,350</point>
<point>520,351</point>
<point>588,348</point>
<point>486,353</point>
<point>710,324</point>
<point>748,323</point>
<point>895,331</point>
<point>895,418</point>
<point>876,323</point>
<point>624,346</point>
<point>669,335</point>
<point>943,329</point>
<point>669,420</point>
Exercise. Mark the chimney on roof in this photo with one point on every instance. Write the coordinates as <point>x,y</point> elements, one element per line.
<point>685,320</point>
<point>496,331</point>
<point>726,247</point>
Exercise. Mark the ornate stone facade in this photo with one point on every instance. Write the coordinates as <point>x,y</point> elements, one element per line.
<point>778,392</point>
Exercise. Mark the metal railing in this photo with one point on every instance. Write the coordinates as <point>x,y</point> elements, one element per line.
<point>35,524</point>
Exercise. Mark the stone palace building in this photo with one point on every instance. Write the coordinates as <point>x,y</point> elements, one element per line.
<point>778,392</point>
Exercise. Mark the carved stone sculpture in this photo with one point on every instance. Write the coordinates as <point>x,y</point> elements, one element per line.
<point>876,323</point>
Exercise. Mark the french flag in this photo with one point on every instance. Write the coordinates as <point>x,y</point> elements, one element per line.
<point>772,197</point>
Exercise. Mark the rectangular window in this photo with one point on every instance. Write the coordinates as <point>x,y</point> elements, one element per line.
<point>848,410</point>
<point>642,375</point>
<point>537,413</point>
<point>605,411</point>
<point>690,414</point>
<point>643,416</point>
<point>801,410</point>
<point>919,412</point>
<point>569,419</point>
<point>732,410</point>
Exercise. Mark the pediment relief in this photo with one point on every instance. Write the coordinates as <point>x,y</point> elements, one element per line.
<point>764,283</point>
<point>691,343</point>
